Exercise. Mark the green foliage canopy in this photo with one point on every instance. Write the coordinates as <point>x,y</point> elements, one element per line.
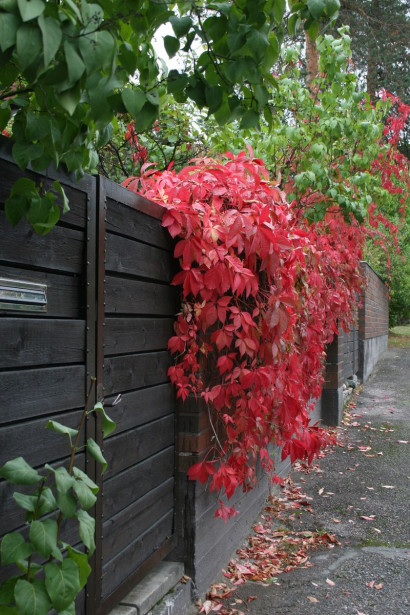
<point>67,68</point>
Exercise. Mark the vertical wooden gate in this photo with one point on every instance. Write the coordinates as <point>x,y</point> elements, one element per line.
<point>106,268</point>
<point>136,308</point>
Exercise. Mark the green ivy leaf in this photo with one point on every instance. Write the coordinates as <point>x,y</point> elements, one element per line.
<point>52,37</point>
<point>29,45</point>
<point>75,65</point>
<point>86,530</point>
<point>84,494</point>
<point>171,45</point>
<point>14,548</point>
<point>108,424</point>
<point>47,502</point>
<point>95,451</point>
<point>63,429</point>
<point>24,152</point>
<point>133,99</point>
<point>58,188</point>
<point>30,9</point>
<point>64,481</point>
<point>81,559</point>
<point>19,472</point>
<point>316,8</point>
<point>7,591</point>
<point>180,25</point>
<point>31,597</point>
<point>62,583</point>
<point>278,9</point>
<point>67,504</point>
<point>43,536</point>
<point>27,502</point>
<point>146,117</point>
<point>86,479</point>
<point>257,43</point>
<point>9,24</point>
<point>250,119</point>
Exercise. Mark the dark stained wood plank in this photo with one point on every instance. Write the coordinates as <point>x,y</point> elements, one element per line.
<point>124,296</point>
<point>132,199</point>
<point>131,522</point>
<point>125,488</point>
<point>141,406</point>
<point>35,392</point>
<point>25,341</point>
<point>64,292</point>
<point>127,335</point>
<point>131,447</point>
<point>125,220</point>
<point>62,249</point>
<point>36,444</point>
<point>129,372</point>
<point>121,566</point>
<point>135,258</point>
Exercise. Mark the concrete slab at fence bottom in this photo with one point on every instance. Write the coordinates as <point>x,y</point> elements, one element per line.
<point>153,588</point>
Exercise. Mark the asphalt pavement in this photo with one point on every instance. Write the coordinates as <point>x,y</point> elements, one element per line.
<point>360,492</point>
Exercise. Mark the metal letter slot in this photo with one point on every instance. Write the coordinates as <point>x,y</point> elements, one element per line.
<point>21,296</point>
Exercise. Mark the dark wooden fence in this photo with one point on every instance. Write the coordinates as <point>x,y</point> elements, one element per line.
<point>107,267</point>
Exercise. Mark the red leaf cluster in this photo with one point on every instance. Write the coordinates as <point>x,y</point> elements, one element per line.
<point>263,293</point>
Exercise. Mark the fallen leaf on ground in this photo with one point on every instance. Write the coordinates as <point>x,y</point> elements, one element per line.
<point>336,521</point>
<point>330,582</point>
<point>370,518</point>
<point>312,599</point>
<point>402,441</point>
<point>388,486</point>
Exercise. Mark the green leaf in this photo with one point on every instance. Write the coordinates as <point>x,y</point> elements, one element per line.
<point>64,481</point>
<point>312,28</point>
<point>176,81</point>
<point>19,472</point>
<point>171,45</point>
<point>62,583</point>
<point>9,24</point>
<point>180,25</point>
<point>316,8</point>
<point>7,591</point>
<point>16,208</point>
<point>86,530</point>
<point>27,502</point>
<point>146,117</point>
<point>279,8</point>
<point>96,453</point>
<point>30,9</point>
<point>133,99</point>
<point>24,152</point>
<point>67,504</point>
<point>31,598</point>
<point>81,559</point>
<point>23,186</point>
<point>52,37</point>
<point>86,479</point>
<point>29,45</point>
<point>250,119</point>
<point>14,548</point>
<point>84,494</point>
<point>58,188</point>
<point>257,43</point>
<point>37,125</point>
<point>108,424</point>
<point>332,7</point>
<point>70,610</point>
<point>75,65</point>
<point>43,536</point>
<point>47,502</point>
<point>69,99</point>
<point>63,429</point>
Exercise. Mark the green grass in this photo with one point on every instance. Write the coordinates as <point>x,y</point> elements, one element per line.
<point>399,337</point>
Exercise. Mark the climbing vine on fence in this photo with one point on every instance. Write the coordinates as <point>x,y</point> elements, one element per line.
<point>262,295</point>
